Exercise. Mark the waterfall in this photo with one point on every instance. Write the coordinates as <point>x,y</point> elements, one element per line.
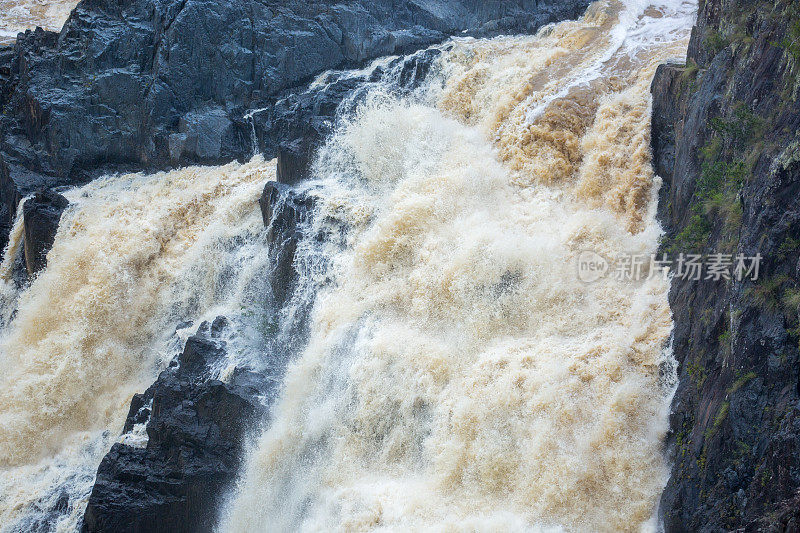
<point>134,256</point>
<point>10,265</point>
<point>449,369</point>
<point>458,375</point>
<point>17,16</point>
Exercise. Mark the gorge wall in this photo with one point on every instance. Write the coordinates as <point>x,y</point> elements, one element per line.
<point>725,141</point>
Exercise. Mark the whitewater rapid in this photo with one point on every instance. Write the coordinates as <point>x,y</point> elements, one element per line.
<point>134,257</point>
<point>458,375</point>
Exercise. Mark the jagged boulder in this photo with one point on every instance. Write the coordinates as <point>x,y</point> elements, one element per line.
<point>294,161</point>
<point>196,429</point>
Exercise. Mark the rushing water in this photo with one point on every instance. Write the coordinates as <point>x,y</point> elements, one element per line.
<point>134,257</point>
<point>20,15</point>
<point>457,375</point>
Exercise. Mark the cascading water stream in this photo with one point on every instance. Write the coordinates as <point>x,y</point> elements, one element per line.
<point>454,374</point>
<point>9,266</point>
<point>134,257</point>
<point>17,16</point>
<point>458,375</point>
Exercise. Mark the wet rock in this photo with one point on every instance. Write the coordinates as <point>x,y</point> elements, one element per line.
<point>6,58</point>
<point>41,215</point>
<point>294,160</point>
<point>725,141</point>
<point>15,184</point>
<point>201,136</point>
<point>664,118</point>
<point>196,428</point>
<point>284,211</point>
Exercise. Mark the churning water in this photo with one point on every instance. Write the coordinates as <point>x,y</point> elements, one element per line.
<point>457,375</point>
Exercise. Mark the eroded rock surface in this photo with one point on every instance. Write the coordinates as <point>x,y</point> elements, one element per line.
<point>725,140</point>
<point>41,216</point>
<point>182,444</point>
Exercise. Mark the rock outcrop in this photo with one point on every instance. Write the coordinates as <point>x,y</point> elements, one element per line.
<point>725,140</point>
<point>151,84</point>
<point>284,212</point>
<point>41,216</point>
<point>182,444</point>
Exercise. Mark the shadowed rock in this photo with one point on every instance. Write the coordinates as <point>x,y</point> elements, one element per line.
<point>284,211</point>
<point>196,431</point>
<point>41,215</point>
<point>294,161</point>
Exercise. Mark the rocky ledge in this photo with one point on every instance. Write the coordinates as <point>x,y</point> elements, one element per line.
<point>41,215</point>
<point>152,84</point>
<point>725,140</point>
<point>182,444</point>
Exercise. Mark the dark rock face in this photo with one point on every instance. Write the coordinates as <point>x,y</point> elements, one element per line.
<point>151,84</point>
<point>284,211</point>
<point>196,429</point>
<point>294,160</point>
<point>41,215</point>
<point>725,140</point>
